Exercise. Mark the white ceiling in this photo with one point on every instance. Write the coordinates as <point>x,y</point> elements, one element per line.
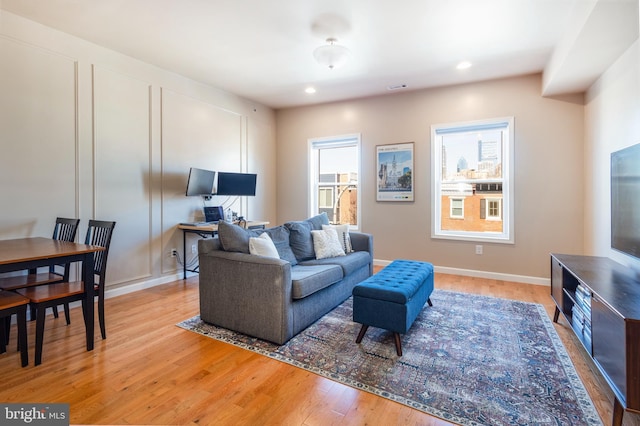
<point>263,49</point>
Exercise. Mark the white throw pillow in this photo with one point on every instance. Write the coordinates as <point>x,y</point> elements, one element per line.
<point>263,246</point>
<point>343,236</point>
<point>326,243</point>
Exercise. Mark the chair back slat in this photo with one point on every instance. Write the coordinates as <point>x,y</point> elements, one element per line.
<point>99,234</point>
<point>65,229</point>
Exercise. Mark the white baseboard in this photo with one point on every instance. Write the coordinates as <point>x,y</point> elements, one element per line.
<point>130,288</point>
<point>481,274</point>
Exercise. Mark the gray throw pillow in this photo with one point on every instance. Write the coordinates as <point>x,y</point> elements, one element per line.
<point>280,237</point>
<point>300,240</point>
<point>318,220</point>
<point>233,237</point>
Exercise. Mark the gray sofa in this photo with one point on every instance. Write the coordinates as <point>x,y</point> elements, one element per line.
<point>276,298</point>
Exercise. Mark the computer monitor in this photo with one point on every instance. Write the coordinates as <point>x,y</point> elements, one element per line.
<point>200,182</point>
<point>236,183</point>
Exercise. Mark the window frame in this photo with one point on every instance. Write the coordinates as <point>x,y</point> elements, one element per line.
<point>507,235</point>
<point>314,147</point>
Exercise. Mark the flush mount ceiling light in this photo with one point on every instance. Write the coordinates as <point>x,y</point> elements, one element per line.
<point>331,55</point>
<point>463,65</point>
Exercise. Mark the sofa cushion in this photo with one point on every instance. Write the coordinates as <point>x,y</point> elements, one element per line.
<point>349,263</point>
<point>306,280</point>
<point>326,243</point>
<point>280,237</point>
<point>263,246</point>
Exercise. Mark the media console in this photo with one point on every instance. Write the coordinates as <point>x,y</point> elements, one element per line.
<point>600,298</point>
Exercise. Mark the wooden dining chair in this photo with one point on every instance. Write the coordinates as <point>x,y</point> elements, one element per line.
<point>12,303</point>
<point>64,230</point>
<point>62,293</point>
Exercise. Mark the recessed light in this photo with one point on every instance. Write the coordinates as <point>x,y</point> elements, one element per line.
<point>463,65</point>
<point>310,90</point>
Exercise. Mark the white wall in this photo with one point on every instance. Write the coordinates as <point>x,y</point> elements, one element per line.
<point>87,132</point>
<point>612,117</point>
<point>548,170</point>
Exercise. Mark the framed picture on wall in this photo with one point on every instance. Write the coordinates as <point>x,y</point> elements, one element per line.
<point>394,172</point>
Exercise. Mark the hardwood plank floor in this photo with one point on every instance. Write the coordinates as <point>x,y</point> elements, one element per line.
<point>149,371</point>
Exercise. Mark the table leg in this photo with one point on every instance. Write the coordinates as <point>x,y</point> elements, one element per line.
<point>88,278</point>
<point>184,255</point>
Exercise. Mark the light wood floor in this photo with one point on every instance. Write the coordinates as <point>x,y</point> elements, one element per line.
<point>149,371</point>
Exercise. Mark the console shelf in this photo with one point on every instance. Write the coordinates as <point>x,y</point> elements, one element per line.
<point>606,320</point>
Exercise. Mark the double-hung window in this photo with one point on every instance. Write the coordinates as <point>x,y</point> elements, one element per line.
<point>472,178</point>
<point>334,170</point>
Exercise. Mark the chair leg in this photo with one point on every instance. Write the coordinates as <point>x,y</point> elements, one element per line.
<point>67,316</point>
<point>22,336</point>
<point>3,336</point>
<point>7,329</point>
<point>103,329</point>
<point>40,316</point>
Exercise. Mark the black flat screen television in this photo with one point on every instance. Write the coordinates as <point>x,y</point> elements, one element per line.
<point>200,182</point>
<point>236,183</point>
<point>625,200</point>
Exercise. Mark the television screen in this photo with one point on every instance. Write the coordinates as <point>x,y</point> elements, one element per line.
<point>236,183</point>
<point>625,200</point>
<point>200,182</point>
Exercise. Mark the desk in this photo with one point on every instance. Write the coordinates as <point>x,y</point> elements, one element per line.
<point>204,231</point>
<point>29,253</point>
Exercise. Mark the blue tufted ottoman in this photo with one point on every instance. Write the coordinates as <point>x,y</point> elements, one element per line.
<point>393,298</point>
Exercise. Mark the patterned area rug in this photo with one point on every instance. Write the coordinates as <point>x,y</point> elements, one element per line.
<point>472,360</point>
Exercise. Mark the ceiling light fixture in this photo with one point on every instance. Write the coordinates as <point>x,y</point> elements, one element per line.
<point>310,90</point>
<point>463,65</point>
<point>331,55</point>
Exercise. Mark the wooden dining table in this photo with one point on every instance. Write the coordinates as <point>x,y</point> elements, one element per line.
<point>29,253</point>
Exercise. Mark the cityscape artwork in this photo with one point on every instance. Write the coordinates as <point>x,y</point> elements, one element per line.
<point>395,172</point>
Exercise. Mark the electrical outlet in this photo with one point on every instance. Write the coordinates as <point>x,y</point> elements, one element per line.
<point>194,249</point>
<point>478,249</point>
<point>174,252</point>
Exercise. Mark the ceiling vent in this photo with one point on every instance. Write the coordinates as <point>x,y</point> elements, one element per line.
<point>397,87</point>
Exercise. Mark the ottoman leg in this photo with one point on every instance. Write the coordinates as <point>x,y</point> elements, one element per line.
<point>363,330</point>
<point>398,343</point>
<point>429,302</point>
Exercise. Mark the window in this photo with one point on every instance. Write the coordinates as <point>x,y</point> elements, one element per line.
<point>472,167</point>
<point>493,209</point>
<point>457,208</point>
<point>334,167</point>
<point>325,198</point>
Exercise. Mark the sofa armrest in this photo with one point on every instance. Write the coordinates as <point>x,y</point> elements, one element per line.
<point>247,293</point>
<point>361,241</point>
